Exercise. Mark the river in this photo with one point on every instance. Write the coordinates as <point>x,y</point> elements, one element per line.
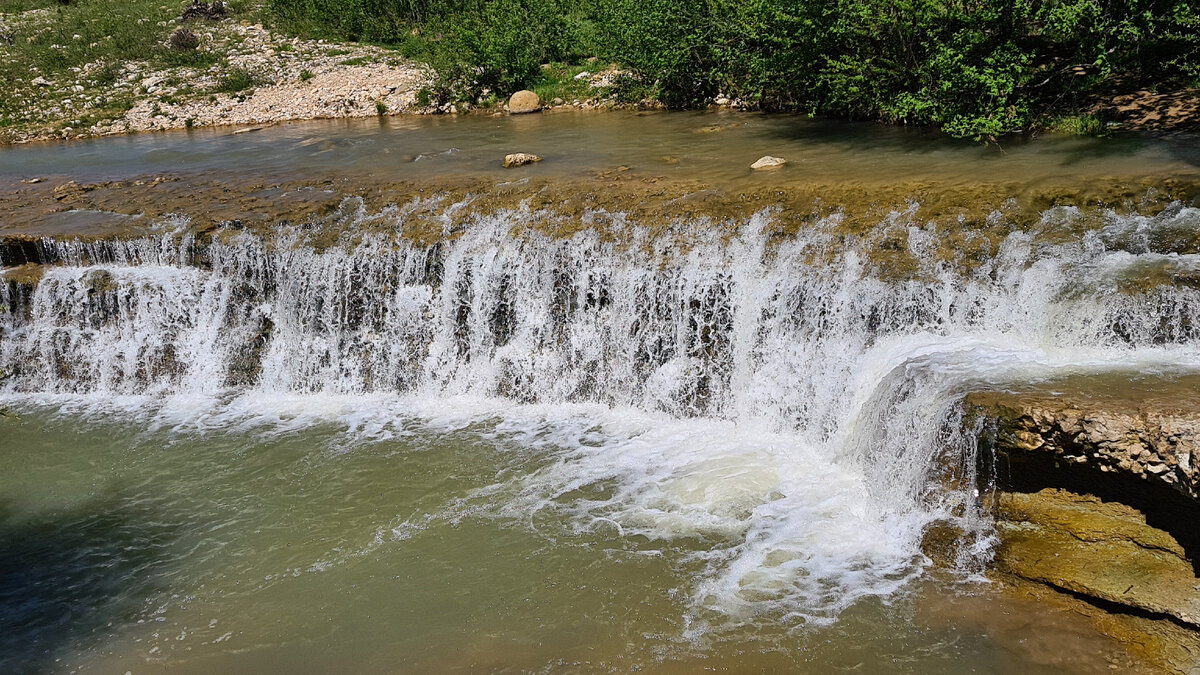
<point>564,436</point>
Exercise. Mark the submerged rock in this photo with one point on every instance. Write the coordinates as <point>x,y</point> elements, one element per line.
<point>524,101</point>
<point>520,159</point>
<point>768,162</point>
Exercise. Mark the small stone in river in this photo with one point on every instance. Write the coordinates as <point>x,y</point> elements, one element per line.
<point>768,162</point>
<point>524,101</point>
<point>557,101</point>
<point>520,159</point>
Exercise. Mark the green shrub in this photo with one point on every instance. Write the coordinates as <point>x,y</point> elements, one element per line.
<point>236,80</point>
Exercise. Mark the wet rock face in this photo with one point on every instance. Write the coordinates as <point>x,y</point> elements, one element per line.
<point>1125,533</point>
<point>1102,550</point>
<point>1154,438</point>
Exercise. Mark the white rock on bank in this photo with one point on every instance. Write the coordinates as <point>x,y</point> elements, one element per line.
<point>520,159</point>
<point>768,162</point>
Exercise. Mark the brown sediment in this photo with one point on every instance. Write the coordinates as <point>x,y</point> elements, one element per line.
<point>1159,644</point>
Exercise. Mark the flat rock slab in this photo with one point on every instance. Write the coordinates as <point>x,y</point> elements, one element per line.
<point>1097,549</point>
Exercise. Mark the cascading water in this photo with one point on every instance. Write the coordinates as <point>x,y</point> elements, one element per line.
<point>781,400</point>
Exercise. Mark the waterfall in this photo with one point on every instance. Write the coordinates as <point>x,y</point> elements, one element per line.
<point>784,395</point>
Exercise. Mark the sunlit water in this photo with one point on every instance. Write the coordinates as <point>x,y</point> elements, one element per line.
<point>515,451</point>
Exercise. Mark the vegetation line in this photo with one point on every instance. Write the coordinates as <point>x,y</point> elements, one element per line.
<point>974,68</point>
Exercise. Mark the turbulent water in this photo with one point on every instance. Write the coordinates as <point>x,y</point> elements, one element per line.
<point>779,401</point>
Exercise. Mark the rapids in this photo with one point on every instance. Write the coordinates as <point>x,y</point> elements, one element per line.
<point>779,401</point>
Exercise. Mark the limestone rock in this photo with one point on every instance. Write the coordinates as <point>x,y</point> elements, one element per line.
<point>1148,430</point>
<point>768,162</point>
<point>524,101</point>
<point>1097,549</point>
<point>520,159</point>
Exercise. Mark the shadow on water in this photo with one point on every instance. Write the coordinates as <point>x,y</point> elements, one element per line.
<point>1184,145</point>
<point>67,576</point>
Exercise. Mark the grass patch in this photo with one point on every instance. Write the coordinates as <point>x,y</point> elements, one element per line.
<point>18,6</point>
<point>95,36</point>
<point>358,61</point>
<point>236,80</point>
<point>1083,124</point>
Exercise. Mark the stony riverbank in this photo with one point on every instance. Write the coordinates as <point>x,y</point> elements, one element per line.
<point>231,71</point>
<point>70,77</point>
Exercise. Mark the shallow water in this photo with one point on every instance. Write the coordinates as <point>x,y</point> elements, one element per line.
<point>283,550</point>
<point>716,148</point>
<point>663,446</point>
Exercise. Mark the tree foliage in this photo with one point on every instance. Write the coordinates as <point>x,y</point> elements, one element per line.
<point>973,67</point>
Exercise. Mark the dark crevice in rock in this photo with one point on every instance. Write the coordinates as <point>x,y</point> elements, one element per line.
<point>1119,608</point>
<point>17,250</point>
<point>1164,509</point>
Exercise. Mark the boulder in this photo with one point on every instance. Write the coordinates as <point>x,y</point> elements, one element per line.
<point>520,159</point>
<point>768,162</point>
<point>524,101</point>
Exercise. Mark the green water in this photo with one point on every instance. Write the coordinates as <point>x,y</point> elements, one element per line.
<point>304,551</point>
